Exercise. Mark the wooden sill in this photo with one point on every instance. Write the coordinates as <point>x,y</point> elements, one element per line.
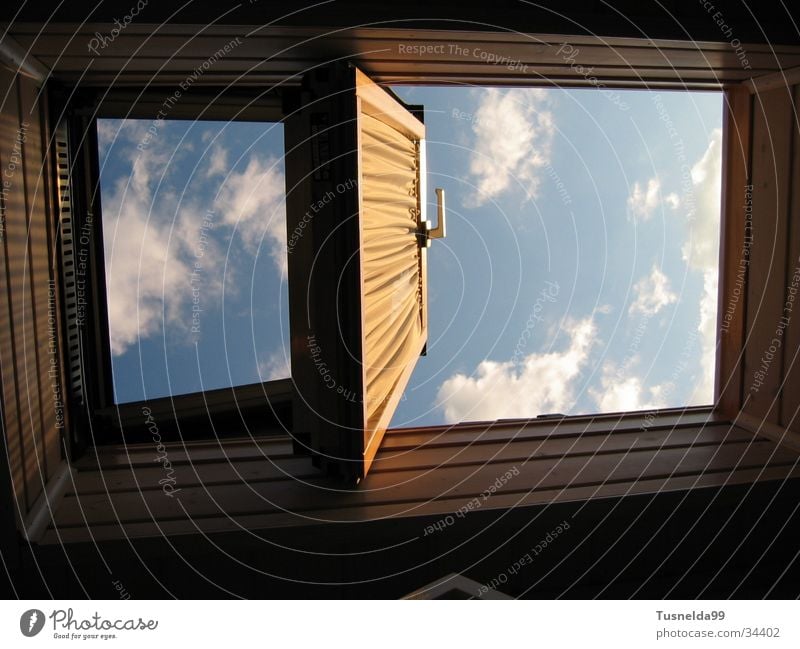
<point>256,484</point>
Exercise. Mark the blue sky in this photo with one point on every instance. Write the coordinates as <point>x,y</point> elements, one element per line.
<point>613,213</point>
<point>578,274</point>
<point>195,238</point>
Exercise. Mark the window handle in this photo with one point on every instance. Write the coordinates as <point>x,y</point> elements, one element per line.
<point>425,232</point>
<point>440,231</point>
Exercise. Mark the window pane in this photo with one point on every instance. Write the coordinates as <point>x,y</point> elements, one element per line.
<point>579,273</point>
<point>195,254</point>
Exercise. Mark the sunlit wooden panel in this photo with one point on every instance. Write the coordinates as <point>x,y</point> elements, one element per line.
<point>392,261</point>
<point>22,319</point>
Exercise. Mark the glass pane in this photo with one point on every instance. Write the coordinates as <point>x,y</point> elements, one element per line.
<point>579,272</point>
<point>195,254</point>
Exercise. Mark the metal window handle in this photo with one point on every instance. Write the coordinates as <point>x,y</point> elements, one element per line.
<point>426,233</point>
<point>440,231</point>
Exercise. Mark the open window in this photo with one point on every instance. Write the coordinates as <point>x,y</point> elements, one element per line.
<point>356,238</point>
<point>161,236</point>
<point>356,168</point>
<point>345,160</point>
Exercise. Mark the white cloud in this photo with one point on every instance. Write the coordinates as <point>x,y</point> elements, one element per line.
<point>652,293</point>
<point>153,236</point>
<point>541,383</point>
<point>702,247</point>
<point>617,394</point>
<point>643,201</point>
<point>144,272</point>
<point>138,270</point>
<point>704,390</point>
<point>275,366</point>
<point>701,252</point>
<point>253,202</point>
<point>217,161</point>
<point>672,200</point>
<point>513,134</point>
<point>107,131</point>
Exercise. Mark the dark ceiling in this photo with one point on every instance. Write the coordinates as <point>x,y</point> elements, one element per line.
<point>764,21</point>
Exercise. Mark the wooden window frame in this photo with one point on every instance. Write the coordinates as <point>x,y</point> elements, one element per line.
<point>637,63</point>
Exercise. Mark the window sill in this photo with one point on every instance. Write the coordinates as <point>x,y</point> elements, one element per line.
<point>120,492</point>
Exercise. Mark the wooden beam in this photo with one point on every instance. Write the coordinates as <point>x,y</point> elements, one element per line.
<point>786,437</point>
<point>734,249</point>
<point>21,61</point>
<point>773,116</point>
<point>44,510</point>
<point>154,54</point>
<point>773,80</point>
<point>791,287</point>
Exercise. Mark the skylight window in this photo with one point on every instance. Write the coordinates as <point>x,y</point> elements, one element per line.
<point>580,271</point>
<point>194,232</point>
<point>579,274</point>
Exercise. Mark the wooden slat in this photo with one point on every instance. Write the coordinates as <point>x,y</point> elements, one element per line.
<point>734,250</point>
<point>254,80</point>
<point>772,120</point>
<point>427,471</point>
<point>791,346</point>
<point>183,32</point>
<point>141,455</point>
<point>779,79</point>
<point>441,507</point>
<point>19,282</point>
<point>141,70</point>
<point>203,41</point>
<point>257,467</point>
<point>43,292</point>
<point>385,55</point>
<point>413,485</point>
<point>786,437</point>
<point>237,471</point>
<point>521,449</point>
<point>12,422</point>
